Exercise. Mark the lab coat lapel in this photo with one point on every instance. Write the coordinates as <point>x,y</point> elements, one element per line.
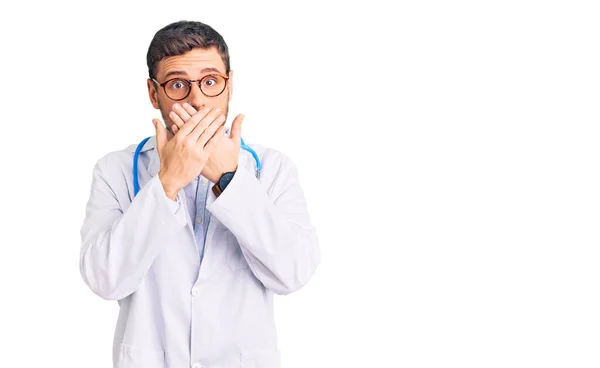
<point>154,167</point>
<point>215,225</point>
<point>154,164</point>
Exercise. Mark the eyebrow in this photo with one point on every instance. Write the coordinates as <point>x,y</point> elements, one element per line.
<point>179,72</point>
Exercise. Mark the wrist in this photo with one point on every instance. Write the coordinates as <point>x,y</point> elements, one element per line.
<point>172,195</point>
<point>223,182</point>
<point>169,187</point>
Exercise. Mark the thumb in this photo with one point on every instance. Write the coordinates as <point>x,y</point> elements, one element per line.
<point>236,128</point>
<point>161,135</point>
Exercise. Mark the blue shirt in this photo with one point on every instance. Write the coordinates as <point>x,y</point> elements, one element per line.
<point>196,193</point>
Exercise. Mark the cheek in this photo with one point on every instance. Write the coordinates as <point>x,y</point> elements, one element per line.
<point>222,102</point>
<point>165,109</point>
<point>165,105</point>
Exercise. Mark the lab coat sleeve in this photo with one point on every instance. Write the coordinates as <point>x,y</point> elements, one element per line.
<point>119,246</point>
<point>272,227</point>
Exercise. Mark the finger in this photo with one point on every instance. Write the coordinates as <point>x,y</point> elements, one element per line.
<point>176,119</point>
<point>236,129</point>
<point>181,112</point>
<point>211,130</point>
<point>192,122</point>
<point>189,109</point>
<point>174,129</point>
<point>214,141</point>
<point>161,135</point>
<point>204,123</point>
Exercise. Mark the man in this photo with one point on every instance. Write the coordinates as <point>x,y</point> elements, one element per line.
<point>194,270</point>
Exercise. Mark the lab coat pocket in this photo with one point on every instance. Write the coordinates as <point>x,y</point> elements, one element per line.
<point>235,257</point>
<point>261,359</point>
<point>131,356</point>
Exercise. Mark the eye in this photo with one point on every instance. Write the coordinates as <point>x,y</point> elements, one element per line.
<point>210,82</point>
<point>177,84</point>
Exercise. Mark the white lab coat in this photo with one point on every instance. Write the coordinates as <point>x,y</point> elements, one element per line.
<point>175,312</point>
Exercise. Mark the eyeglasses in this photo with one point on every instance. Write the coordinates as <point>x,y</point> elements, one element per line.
<point>178,89</point>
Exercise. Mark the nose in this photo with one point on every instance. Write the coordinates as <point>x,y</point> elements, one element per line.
<point>196,98</point>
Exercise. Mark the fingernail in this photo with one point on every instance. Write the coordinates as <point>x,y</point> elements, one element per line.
<point>176,106</point>
<point>186,105</point>
<point>218,110</point>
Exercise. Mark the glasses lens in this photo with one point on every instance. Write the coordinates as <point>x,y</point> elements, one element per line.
<point>212,85</point>
<point>177,89</point>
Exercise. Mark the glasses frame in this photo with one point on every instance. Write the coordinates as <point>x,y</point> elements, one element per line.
<point>189,83</point>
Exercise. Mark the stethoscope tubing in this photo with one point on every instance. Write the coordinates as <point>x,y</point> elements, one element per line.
<point>136,155</point>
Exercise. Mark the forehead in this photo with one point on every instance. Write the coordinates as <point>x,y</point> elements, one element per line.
<point>192,62</point>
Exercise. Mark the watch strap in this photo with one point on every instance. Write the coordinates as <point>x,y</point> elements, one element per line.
<point>216,190</point>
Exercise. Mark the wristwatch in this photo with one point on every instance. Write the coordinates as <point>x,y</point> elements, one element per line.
<point>220,186</point>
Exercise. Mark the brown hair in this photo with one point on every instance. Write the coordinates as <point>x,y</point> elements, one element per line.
<point>183,36</point>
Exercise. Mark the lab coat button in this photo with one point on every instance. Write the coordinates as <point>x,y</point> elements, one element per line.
<point>196,365</point>
<point>194,292</point>
<point>198,219</point>
<point>204,180</point>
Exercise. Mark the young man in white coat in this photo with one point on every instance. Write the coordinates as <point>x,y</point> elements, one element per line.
<point>195,257</point>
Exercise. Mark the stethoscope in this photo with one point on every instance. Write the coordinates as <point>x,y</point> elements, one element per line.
<point>136,156</point>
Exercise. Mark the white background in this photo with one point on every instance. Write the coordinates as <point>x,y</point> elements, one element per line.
<point>448,152</point>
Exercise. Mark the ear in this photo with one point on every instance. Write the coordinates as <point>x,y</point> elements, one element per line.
<point>230,84</point>
<point>152,93</point>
